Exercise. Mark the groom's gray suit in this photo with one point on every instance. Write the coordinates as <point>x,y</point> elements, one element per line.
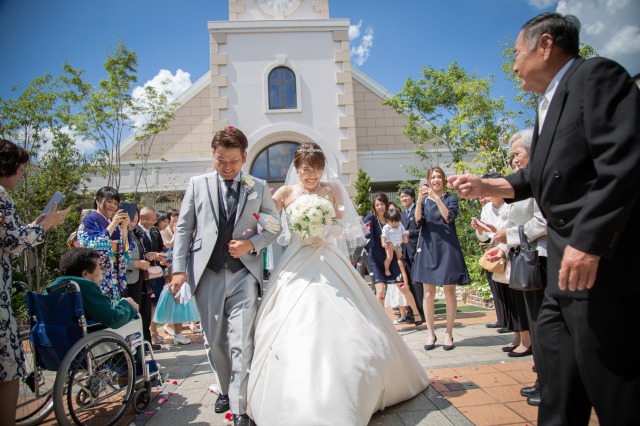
<point>227,299</point>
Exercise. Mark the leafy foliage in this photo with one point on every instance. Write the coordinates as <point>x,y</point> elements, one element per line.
<point>363,188</point>
<point>37,120</point>
<point>453,109</point>
<point>47,118</point>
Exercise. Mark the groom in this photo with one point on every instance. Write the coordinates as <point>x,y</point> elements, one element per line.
<point>217,250</point>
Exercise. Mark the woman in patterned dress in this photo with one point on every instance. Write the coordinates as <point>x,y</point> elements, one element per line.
<point>101,230</point>
<point>14,238</point>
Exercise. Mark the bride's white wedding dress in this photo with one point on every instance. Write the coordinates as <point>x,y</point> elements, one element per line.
<point>326,352</point>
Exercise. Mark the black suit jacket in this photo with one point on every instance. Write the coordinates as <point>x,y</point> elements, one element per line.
<point>409,250</point>
<point>153,244</point>
<point>584,173</point>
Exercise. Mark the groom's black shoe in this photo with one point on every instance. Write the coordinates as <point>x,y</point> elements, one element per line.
<point>222,403</point>
<point>242,420</point>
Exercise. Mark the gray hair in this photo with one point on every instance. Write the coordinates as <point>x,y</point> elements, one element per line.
<point>524,136</point>
<point>565,31</point>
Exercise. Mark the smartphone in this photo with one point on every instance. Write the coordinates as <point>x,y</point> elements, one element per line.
<point>56,198</point>
<point>130,208</point>
<point>424,181</point>
<point>481,224</point>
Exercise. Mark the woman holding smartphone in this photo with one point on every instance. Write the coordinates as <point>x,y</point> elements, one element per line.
<point>102,230</point>
<point>439,260</point>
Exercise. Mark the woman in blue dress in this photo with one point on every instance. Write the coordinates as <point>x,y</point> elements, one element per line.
<point>377,255</point>
<point>101,230</point>
<point>439,260</point>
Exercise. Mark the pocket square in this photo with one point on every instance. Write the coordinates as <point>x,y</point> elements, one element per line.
<point>252,196</point>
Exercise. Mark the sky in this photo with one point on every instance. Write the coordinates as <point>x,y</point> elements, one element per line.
<point>390,40</point>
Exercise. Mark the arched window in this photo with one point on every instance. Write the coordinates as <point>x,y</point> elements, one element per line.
<point>282,89</point>
<point>273,162</point>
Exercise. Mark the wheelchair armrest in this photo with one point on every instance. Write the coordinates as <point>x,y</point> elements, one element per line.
<point>20,287</point>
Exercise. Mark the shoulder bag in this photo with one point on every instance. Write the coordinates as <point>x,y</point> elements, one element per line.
<point>525,266</point>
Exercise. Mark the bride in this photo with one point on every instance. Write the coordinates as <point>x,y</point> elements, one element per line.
<point>326,352</point>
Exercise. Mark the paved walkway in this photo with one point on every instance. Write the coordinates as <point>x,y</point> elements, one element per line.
<point>474,384</point>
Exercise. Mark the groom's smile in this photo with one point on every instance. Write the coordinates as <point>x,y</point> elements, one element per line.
<point>228,161</point>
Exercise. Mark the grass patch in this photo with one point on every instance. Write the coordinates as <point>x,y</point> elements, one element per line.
<point>441,307</point>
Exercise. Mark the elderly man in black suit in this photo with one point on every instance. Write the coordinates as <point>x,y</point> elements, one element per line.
<point>585,174</point>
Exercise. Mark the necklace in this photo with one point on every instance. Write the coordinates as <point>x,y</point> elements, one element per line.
<point>304,190</point>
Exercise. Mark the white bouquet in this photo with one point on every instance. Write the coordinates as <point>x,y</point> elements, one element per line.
<point>309,214</point>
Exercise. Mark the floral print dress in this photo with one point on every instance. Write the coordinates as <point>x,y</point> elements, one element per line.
<point>13,240</point>
<point>93,234</point>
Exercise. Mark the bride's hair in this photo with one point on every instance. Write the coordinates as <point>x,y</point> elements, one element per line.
<point>309,153</point>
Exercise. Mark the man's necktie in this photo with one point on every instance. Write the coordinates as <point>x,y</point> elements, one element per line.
<point>542,112</point>
<point>231,197</point>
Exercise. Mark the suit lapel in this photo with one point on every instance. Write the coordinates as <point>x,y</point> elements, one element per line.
<point>242,200</point>
<point>541,145</point>
<point>212,191</point>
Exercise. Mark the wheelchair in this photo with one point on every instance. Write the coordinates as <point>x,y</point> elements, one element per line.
<point>86,373</point>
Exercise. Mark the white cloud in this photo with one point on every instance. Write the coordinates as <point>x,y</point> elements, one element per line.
<point>624,42</point>
<point>354,30</point>
<point>360,46</point>
<point>594,29</point>
<point>542,4</point>
<point>610,27</point>
<point>176,84</point>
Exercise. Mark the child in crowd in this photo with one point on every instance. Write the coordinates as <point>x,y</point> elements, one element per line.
<point>393,236</point>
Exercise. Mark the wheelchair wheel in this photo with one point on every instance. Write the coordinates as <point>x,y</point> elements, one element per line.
<point>35,395</point>
<point>141,400</point>
<point>95,382</point>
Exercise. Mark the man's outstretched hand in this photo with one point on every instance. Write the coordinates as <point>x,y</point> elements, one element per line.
<point>466,186</point>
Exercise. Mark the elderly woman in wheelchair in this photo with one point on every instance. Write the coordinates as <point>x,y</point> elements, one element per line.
<point>91,350</point>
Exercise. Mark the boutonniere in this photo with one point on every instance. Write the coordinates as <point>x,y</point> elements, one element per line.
<point>247,180</point>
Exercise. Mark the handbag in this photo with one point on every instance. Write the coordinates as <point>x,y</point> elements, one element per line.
<point>526,274</point>
<point>153,272</point>
<point>497,266</point>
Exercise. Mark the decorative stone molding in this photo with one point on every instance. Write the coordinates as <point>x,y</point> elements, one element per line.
<point>322,6</point>
<point>218,80</point>
<point>347,122</point>
<point>236,8</point>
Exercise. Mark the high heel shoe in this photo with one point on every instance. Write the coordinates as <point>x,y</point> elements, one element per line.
<point>448,347</point>
<point>418,322</point>
<point>430,346</point>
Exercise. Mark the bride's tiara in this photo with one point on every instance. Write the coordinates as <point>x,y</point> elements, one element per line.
<point>309,150</point>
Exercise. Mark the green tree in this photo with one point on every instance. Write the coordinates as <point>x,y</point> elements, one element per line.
<point>105,113</point>
<point>157,113</point>
<point>363,189</point>
<point>454,109</point>
<point>37,120</point>
<point>529,100</point>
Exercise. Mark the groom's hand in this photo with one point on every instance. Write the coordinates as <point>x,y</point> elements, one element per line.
<point>238,248</point>
<point>178,279</point>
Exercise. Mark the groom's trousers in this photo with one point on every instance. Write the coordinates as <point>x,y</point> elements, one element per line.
<point>228,303</point>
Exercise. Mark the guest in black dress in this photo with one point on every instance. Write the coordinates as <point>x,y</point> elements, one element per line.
<point>439,260</point>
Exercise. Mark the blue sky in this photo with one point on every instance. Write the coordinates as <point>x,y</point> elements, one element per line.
<point>37,36</point>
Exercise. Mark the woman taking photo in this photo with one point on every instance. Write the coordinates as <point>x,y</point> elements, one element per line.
<point>439,260</point>
<point>14,238</point>
<point>102,230</point>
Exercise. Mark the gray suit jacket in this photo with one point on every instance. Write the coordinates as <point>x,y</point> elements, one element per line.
<point>197,227</point>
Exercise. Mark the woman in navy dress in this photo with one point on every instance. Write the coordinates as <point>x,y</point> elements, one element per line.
<point>377,255</point>
<point>439,260</point>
